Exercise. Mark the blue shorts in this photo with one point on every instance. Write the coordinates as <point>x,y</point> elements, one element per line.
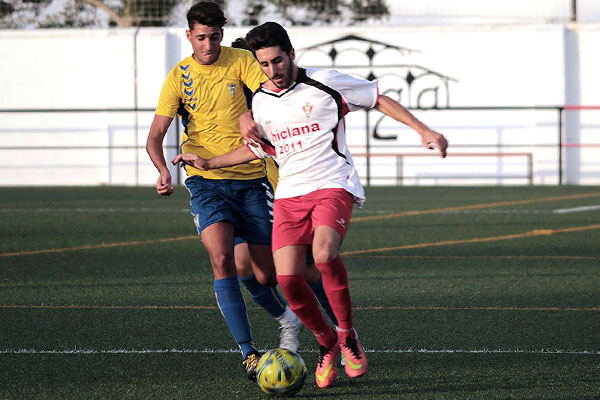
<point>247,204</point>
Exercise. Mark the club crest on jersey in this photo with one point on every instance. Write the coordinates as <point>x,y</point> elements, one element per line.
<point>232,87</point>
<point>307,109</point>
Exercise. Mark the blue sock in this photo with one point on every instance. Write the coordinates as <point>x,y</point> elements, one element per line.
<point>319,292</point>
<point>266,297</point>
<point>233,307</point>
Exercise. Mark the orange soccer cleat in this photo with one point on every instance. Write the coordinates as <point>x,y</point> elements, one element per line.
<point>326,369</point>
<point>354,357</point>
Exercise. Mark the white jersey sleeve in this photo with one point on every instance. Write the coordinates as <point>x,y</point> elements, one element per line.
<point>258,151</point>
<point>264,148</point>
<point>357,93</point>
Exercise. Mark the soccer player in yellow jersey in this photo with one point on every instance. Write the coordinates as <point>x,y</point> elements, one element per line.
<point>207,90</point>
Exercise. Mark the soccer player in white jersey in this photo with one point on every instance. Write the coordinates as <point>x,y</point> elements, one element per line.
<point>299,116</point>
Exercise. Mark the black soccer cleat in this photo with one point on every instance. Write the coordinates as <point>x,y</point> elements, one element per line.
<point>250,363</point>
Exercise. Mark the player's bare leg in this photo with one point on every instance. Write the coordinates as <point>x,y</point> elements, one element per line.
<point>262,264</point>
<point>326,244</point>
<point>218,241</point>
<point>243,262</point>
<point>312,274</point>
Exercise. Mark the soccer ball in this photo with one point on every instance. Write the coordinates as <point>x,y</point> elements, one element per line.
<point>281,372</point>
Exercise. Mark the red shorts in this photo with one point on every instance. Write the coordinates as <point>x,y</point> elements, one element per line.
<point>295,218</point>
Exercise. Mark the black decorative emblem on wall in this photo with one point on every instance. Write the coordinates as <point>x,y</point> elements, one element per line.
<point>412,85</point>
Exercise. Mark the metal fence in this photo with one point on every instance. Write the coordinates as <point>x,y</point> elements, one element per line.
<point>378,162</point>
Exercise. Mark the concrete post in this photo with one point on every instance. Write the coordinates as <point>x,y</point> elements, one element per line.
<point>572,97</point>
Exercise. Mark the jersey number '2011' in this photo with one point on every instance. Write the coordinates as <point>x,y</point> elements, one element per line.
<point>286,148</point>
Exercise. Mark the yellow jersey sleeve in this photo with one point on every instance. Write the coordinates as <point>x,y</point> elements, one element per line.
<point>168,101</point>
<point>252,74</point>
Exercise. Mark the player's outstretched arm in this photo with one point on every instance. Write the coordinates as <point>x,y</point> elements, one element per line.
<point>249,129</point>
<point>430,138</point>
<point>154,147</point>
<point>238,156</point>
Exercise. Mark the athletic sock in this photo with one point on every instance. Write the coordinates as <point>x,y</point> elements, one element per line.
<point>233,307</point>
<point>302,301</point>
<point>319,292</point>
<point>335,283</point>
<point>266,297</point>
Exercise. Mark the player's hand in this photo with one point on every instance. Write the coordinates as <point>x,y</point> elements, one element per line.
<point>163,184</point>
<point>434,140</point>
<point>192,160</point>
<point>249,129</point>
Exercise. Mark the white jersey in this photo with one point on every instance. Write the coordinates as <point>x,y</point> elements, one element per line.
<point>304,131</point>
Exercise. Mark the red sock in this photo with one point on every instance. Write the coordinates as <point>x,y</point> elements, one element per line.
<point>303,303</point>
<point>335,283</point>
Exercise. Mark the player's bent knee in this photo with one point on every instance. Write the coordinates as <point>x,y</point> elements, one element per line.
<point>243,271</point>
<point>324,256</point>
<point>223,264</point>
<point>243,267</point>
<point>268,280</point>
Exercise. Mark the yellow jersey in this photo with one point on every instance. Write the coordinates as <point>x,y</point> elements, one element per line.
<point>272,171</point>
<point>210,99</point>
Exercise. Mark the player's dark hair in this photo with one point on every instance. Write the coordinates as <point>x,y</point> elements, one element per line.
<point>269,34</point>
<point>240,43</point>
<point>206,13</point>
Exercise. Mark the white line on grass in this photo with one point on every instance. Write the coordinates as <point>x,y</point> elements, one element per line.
<point>576,209</point>
<point>221,351</point>
<point>372,212</point>
<point>497,212</point>
<point>512,211</point>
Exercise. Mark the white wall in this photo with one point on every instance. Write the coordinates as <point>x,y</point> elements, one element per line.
<point>589,132</point>
<point>519,65</point>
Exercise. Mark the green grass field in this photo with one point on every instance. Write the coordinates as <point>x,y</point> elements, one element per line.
<point>459,293</point>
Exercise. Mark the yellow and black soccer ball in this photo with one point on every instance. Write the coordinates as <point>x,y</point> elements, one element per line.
<point>281,372</point>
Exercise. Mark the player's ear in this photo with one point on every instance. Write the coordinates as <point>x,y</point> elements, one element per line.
<point>293,54</point>
<point>188,34</point>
